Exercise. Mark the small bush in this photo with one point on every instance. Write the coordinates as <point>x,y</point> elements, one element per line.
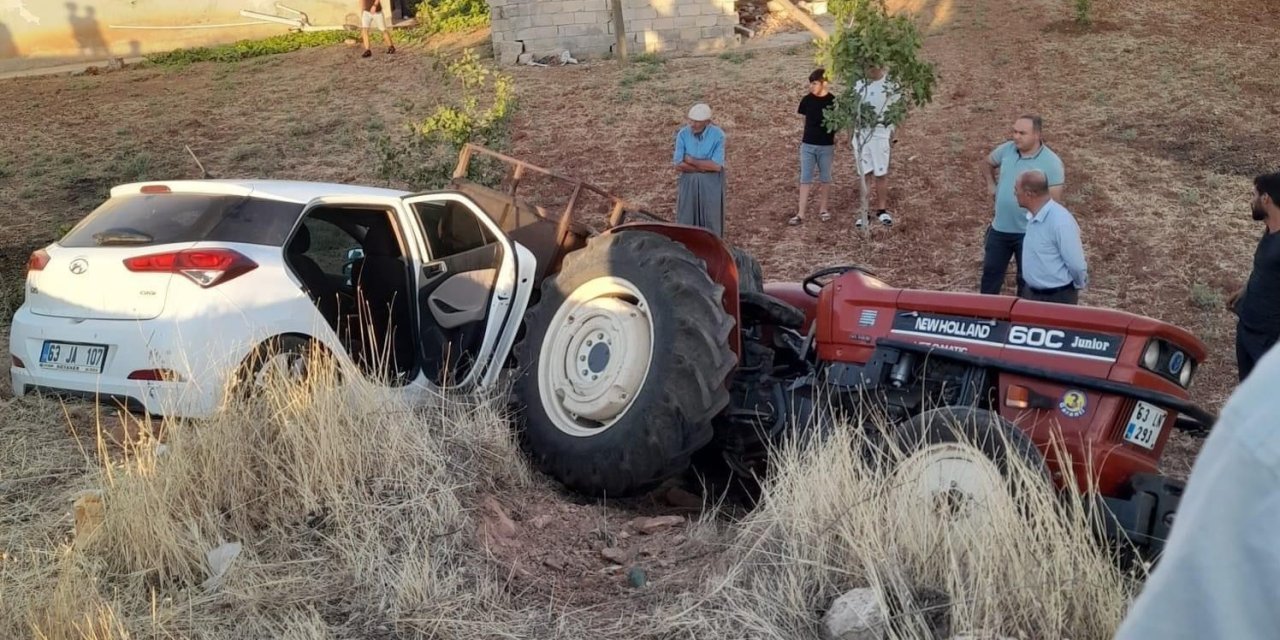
<point>1205,298</point>
<point>1083,12</point>
<point>446,16</point>
<point>427,156</point>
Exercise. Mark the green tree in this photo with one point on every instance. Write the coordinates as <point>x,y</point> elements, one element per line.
<point>867,37</point>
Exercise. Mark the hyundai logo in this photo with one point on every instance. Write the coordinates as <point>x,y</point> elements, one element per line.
<point>79,266</point>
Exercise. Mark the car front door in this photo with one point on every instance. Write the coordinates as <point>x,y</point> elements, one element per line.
<point>473,285</point>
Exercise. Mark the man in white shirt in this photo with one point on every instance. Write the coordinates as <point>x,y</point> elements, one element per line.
<point>880,92</point>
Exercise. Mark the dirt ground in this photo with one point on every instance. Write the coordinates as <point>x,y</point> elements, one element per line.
<point>1159,147</point>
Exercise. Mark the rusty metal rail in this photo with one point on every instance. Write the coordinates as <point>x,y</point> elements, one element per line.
<point>617,214</point>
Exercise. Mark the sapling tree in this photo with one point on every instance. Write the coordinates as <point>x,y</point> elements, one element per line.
<point>866,37</point>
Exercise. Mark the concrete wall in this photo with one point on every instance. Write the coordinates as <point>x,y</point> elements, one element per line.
<point>585,27</point>
<point>35,33</point>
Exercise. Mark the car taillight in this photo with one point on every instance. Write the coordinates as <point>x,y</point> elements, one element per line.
<point>205,267</point>
<point>17,362</point>
<point>37,261</point>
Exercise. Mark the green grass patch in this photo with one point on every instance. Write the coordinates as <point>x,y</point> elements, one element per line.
<point>245,49</point>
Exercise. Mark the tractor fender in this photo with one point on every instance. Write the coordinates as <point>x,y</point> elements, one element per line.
<point>713,251</point>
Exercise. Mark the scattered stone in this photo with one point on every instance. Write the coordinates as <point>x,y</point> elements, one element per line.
<point>636,577</point>
<point>649,526</point>
<point>614,555</point>
<point>350,42</point>
<point>856,615</point>
<point>678,497</point>
<point>555,563</point>
<point>541,522</point>
<point>497,521</point>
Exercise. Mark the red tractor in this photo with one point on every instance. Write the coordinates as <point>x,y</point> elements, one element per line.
<point>649,345</point>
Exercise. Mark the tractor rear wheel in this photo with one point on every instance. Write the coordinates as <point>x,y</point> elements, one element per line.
<point>961,464</point>
<point>624,363</point>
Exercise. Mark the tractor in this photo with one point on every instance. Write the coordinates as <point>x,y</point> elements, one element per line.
<point>648,346</point>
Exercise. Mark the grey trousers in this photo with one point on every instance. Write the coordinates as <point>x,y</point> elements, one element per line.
<point>700,201</point>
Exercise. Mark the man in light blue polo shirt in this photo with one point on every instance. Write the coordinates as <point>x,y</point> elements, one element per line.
<point>1024,152</point>
<point>1053,264</point>
<point>699,160</point>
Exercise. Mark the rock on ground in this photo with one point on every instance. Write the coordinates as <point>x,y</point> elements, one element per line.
<point>856,615</point>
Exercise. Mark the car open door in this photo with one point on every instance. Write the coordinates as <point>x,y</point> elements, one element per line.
<point>473,285</point>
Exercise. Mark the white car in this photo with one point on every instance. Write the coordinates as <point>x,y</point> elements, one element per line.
<point>169,289</point>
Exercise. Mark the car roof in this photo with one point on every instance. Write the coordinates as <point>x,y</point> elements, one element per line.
<point>297,191</point>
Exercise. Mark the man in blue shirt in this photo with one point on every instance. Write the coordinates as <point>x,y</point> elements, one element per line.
<point>699,161</point>
<point>1053,264</point>
<point>1024,152</point>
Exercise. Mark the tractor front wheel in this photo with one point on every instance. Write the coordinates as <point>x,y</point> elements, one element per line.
<point>623,365</point>
<point>962,465</point>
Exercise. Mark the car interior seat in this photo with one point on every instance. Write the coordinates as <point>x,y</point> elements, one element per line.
<point>382,289</point>
<point>318,286</point>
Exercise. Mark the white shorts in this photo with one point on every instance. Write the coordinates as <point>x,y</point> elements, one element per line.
<point>367,18</point>
<point>875,156</point>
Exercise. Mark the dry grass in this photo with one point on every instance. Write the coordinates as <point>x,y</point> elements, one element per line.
<point>836,517</point>
<point>349,509</point>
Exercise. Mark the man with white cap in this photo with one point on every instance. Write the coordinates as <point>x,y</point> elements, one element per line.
<point>699,161</point>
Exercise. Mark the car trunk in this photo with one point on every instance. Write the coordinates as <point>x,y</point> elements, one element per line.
<point>85,274</point>
<point>93,284</point>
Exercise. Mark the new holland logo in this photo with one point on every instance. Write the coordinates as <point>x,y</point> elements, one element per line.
<point>1074,403</point>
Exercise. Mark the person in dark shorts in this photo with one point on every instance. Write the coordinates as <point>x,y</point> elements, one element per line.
<point>817,145</point>
<point>1257,304</point>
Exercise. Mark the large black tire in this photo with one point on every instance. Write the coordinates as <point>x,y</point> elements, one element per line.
<point>668,416</point>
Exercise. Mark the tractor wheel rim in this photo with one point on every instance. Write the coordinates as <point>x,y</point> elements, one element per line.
<point>954,482</point>
<point>596,355</point>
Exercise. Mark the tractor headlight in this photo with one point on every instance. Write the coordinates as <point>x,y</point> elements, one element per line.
<point>1151,357</point>
<point>1185,377</point>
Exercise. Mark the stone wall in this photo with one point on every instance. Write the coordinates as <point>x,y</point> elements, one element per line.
<point>585,27</point>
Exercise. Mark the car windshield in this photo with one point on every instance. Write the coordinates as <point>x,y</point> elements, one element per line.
<point>149,219</point>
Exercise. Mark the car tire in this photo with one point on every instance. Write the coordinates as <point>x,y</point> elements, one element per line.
<point>296,354</point>
<point>623,365</point>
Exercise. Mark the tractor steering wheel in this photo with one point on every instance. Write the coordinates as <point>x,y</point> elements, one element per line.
<point>813,287</point>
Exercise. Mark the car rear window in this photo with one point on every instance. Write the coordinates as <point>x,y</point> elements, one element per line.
<point>150,219</point>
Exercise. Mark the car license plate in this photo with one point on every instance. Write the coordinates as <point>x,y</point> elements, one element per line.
<point>73,356</point>
<point>1145,424</point>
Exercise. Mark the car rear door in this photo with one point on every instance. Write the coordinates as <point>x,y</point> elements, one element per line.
<point>473,283</point>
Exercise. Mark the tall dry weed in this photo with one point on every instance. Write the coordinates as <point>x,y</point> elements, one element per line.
<point>832,517</point>
<point>337,509</point>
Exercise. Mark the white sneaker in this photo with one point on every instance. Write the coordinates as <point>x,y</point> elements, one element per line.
<point>886,219</point>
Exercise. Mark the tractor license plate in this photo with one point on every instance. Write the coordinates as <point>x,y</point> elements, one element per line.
<point>1145,424</point>
<point>67,356</point>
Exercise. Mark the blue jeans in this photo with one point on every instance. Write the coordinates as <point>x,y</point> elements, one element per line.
<point>816,155</point>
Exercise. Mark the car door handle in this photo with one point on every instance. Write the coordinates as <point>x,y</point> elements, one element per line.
<point>434,269</point>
